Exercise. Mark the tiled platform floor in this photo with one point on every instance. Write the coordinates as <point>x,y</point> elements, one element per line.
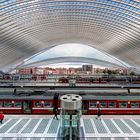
<point>41,127</point>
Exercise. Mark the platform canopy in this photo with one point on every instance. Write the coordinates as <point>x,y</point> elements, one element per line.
<point>30,26</point>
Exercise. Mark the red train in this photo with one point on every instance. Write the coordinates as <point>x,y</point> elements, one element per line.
<point>17,77</point>
<point>102,80</point>
<point>109,104</point>
<point>82,80</point>
<point>78,79</point>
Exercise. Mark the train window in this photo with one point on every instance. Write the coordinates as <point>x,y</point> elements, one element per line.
<point>17,104</point>
<point>123,104</point>
<point>112,104</point>
<point>47,104</point>
<point>102,104</point>
<point>134,105</point>
<point>37,104</point>
<point>7,104</point>
<point>0,104</point>
<point>92,104</point>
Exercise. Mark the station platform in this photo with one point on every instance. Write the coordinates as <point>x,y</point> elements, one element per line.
<point>44,127</point>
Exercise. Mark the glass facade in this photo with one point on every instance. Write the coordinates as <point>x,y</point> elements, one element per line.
<point>70,124</point>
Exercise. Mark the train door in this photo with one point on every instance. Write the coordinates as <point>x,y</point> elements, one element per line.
<point>26,106</point>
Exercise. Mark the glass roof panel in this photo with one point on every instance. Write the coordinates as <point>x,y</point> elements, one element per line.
<point>30,26</point>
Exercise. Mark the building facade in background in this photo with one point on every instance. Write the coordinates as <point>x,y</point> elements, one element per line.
<point>84,69</point>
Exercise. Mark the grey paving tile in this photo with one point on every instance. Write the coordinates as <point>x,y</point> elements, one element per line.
<point>132,125</point>
<point>133,138</point>
<point>105,138</point>
<point>18,127</point>
<point>30,126</point>
<point>13,138</point>
<point>88,126</point>
<point>6,138</point>
<point>8,125</point>
<point>99,126</point>
<point>119,138</point>
<point>112,128</point>
<point>4,121</point>
<point>122,126</point>
<point>49,138</point>
<point>42,126</point>
<point>35,138</point>
<point>137,120</point>
<point>53,126</point>
<point>91,138</point>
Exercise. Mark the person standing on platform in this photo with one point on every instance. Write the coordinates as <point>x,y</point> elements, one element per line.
<point>1,117</point>
<point>98,114</point>
<point>15,91</point>
<point>55,111</point>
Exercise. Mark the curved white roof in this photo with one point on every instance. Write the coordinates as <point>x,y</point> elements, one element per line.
<point>73,53</point>
<point>28,27</point>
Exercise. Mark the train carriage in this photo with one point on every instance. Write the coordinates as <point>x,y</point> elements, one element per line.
<point>15,77</point>
<point>25,76</point>
<point>1,76</point>
<point>109,104</point>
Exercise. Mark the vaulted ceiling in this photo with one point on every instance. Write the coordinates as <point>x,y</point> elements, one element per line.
<point>30,26</point>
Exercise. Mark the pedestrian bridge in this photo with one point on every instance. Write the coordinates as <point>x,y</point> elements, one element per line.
<point>44,127</point>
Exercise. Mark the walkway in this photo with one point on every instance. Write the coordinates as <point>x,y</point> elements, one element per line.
<point>35,127</point>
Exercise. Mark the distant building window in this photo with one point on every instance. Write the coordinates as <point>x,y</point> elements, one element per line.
<point>112,104</point>
<point>87,67</point>
<point>134,104</point>
<point>123,104</point>
<point>102,104</point>
<point>47,104</point>
<point>17,104</point>
<point>37,104</point>
<point>92,104</point>
<point>7,104</point>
